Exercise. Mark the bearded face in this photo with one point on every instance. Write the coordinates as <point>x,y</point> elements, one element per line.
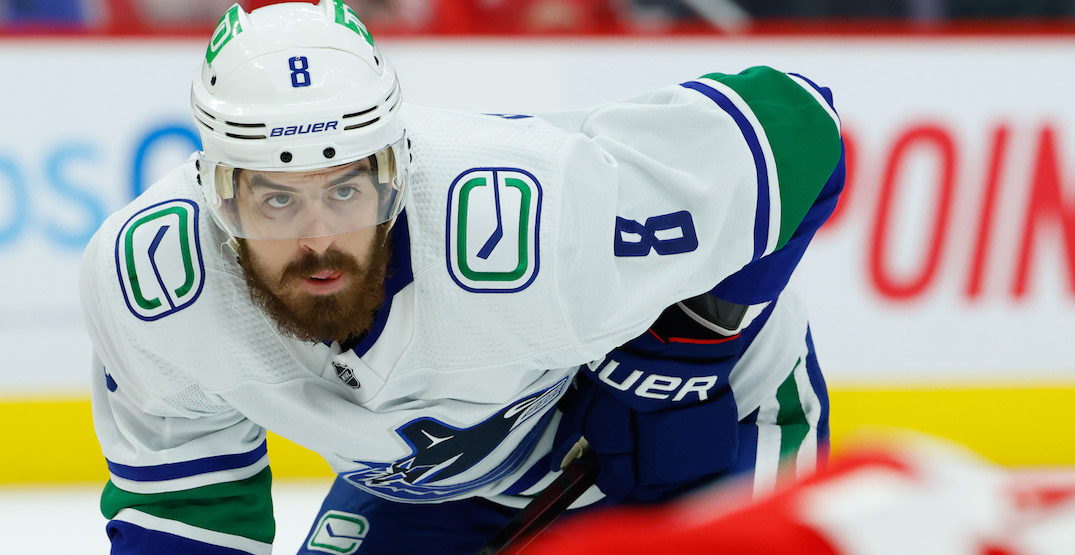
<point>315,251</point>
<point>318,295</point>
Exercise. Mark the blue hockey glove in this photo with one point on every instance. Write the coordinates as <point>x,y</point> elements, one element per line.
<point>660,417</point>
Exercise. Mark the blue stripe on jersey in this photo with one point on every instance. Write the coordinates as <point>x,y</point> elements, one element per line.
<point>399,275</point>
<point>763,279</point>
<point>533,475</point>
<point>172,471</point>
<point>131,539</point>
<point>761,215</point>
<point>817,381</point>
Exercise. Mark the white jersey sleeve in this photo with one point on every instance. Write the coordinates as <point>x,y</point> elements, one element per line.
<point>687,185</point>
<point>185,467</point>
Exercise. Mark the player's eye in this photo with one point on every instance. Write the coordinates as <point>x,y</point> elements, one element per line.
<point>345,192</point>
<point>279,200</point>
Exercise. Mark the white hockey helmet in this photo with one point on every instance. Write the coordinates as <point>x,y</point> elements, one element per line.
<point>300,89</point>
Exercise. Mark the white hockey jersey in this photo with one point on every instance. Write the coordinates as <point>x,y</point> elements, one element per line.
<point>528,246</point>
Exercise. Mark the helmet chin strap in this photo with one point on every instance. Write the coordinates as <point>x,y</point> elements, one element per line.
<point>391,224</point>
<point>232,243</point>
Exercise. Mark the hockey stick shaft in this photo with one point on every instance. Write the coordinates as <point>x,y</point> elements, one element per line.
<point>573,481</point>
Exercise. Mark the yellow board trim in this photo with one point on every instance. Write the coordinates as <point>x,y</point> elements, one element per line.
<point>51,441</point>
<point>1024,425</point>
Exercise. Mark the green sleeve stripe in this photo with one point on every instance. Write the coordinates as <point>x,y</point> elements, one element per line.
<point>794,426</point>
<point>241,508</point>
<point>802,136</point>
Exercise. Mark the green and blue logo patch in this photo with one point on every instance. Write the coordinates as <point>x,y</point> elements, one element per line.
<point>493,228</point>
<point>339,532</point>
<point>159,259</point>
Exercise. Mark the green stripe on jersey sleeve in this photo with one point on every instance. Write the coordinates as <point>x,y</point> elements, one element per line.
<point>791,417</point>
<point>240,508</point>
<point>802,135</point>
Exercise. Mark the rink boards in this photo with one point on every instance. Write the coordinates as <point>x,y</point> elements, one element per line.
<point>942,291</point>
<point>52,441</point>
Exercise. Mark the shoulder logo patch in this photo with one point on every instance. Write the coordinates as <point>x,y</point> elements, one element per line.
<point>159,259</point>
<point>494,216</point>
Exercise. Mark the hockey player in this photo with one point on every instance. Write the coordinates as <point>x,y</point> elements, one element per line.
<point>442,304</point>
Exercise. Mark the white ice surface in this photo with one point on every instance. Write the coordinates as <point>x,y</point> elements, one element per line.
<point>53,520</point>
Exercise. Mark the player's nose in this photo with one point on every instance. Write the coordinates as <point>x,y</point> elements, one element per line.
<point>318,238</point>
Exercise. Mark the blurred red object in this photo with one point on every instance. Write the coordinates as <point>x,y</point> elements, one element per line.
<point>489,17</point>
<point>526,16</point>
<point>453,17</point>
<point>925,499</point>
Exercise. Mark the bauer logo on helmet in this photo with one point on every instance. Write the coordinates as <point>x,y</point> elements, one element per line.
<point>303,129</point>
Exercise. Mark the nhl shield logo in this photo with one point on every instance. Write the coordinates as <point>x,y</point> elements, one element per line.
<point>346,375</point>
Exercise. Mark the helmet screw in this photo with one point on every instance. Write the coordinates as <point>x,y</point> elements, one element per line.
<point>329,152</point>
<point>285,157</point>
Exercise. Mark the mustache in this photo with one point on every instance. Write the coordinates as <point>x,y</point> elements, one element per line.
<point>312,263</point>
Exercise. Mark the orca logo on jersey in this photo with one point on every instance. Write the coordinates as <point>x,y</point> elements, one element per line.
<point>159,259</point>
<point>493,220</point>
<point>440,451</point>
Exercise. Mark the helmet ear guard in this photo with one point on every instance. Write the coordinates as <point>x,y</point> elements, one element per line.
<point>277,92</point>
<point>226,182</point>
<point>385,160</point>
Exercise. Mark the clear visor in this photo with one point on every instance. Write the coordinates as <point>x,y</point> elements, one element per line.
<point>298,204</point>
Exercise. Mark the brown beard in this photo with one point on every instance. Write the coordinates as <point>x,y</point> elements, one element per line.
<point>347,314</point>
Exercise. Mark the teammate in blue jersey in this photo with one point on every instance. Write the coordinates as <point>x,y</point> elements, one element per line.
<point>443,305</point>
